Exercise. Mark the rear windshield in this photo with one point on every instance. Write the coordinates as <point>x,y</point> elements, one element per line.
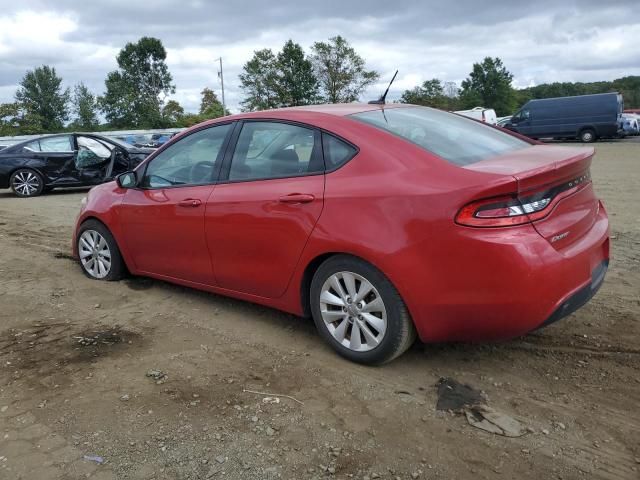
<point>459,140</point>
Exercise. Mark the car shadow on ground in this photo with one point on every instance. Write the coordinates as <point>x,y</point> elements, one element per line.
<point>305,330</point>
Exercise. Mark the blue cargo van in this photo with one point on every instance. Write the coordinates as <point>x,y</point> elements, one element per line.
<point>585,117</point>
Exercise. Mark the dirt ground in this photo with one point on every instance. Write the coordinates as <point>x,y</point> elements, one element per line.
<point>75,353</point>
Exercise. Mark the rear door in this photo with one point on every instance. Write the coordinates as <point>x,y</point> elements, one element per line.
<point>55,157</point>
<point>261,214</point>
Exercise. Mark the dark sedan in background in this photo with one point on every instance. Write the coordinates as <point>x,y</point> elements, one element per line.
<point>41,164</point>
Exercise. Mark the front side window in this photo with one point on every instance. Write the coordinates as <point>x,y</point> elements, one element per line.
<point>458,140</point>
<point>274,150</point>
<point>192,160</point>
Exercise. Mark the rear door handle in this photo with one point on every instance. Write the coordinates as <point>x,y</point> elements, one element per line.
<point>190,202</point>
<point>297,198</point>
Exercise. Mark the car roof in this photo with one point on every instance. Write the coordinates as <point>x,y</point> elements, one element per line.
<point>309,111</point>
<point>337,109</point>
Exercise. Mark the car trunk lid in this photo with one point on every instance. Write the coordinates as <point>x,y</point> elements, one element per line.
<point>556,175</point>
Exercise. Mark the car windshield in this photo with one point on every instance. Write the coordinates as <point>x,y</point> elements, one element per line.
<point>458,140</point>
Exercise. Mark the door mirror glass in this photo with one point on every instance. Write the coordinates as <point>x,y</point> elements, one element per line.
<point>127,180</point>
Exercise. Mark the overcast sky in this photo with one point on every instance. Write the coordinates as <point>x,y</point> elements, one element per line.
<point>539,41</point>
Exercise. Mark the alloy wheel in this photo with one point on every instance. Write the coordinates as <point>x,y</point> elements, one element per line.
<point>26,183</point>
<point>353,311</point>
<point>95,254</point>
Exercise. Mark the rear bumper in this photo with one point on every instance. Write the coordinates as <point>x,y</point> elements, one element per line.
<point>507,284</point>
<point>581,297</point>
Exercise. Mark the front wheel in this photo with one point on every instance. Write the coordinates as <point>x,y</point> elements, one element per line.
<point>358,311</point>
<point>26,183</point>
<point>99,254</point>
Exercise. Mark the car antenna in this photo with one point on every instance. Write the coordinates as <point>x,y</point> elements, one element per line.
<point>382,100</point>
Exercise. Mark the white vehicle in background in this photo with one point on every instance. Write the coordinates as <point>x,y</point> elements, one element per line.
<point>630,124</point>
<point>502,121</point>
<point>487,115</point>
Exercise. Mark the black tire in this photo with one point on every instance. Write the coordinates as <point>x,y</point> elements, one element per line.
<point>117,269</point>
<point>588,135</point>
<point>26,183</point>
<point>400,332</point>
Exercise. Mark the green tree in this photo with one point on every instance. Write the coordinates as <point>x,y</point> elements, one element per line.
<point>259,81</point>
<point>210,106</point>
<point>41,97</point>
<point>489,85</point>
<point>430,94</point>
<point>14,120</point>
<point>296,80</point>
<point>133,92</point>
<point>629,87</point>
<point>9,119</point>
<point>189,120</point>
<point>172,113</point>
<point>84,108</point>
<point>340,71</point>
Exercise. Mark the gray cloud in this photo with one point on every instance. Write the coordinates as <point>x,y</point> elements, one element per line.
<point>539,41</point>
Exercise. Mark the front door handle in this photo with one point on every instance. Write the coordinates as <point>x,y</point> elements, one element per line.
<point>297,198</point>
<point>190,202</point>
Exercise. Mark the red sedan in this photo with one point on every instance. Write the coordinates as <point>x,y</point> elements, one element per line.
<point>381,222</point>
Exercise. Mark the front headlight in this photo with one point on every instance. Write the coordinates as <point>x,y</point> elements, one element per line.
<point>83,202</point>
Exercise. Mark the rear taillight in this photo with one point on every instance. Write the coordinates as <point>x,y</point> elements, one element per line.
<point>511,210</point>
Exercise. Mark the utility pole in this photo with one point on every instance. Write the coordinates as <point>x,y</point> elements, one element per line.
<point>221,77</point>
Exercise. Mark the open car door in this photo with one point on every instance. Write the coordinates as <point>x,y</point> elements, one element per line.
<point>95,159</point>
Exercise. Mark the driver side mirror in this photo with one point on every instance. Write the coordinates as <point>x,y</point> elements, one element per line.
<point>127,180</point>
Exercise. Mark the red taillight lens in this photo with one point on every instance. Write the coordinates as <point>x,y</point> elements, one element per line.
<point>513,210</point>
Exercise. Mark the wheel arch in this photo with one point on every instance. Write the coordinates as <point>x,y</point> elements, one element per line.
<point>587,127</point>
<point>110,230</point>
<point>312,267</point>
<point>29,166</point>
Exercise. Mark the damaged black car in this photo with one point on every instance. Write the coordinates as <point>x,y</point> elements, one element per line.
<point>39,165</point>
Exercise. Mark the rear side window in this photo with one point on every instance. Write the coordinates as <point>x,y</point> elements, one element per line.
<point>336,152</point>
<point>458,140</point>
<point>274,150</point>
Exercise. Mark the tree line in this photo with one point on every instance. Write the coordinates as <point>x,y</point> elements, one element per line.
<point>135,96</point>
<point>489,84</point>
<point>136,93</point>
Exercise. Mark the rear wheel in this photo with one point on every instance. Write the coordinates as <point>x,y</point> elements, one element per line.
<point>359,312</point>
<point>99,254</point>
<point>26,183</point>
<point>587,135</point>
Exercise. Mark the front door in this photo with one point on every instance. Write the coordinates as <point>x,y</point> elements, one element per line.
<point>94,159</point>
<point>522,123</point>
<point>163,218</point>
<point>265,206</point>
